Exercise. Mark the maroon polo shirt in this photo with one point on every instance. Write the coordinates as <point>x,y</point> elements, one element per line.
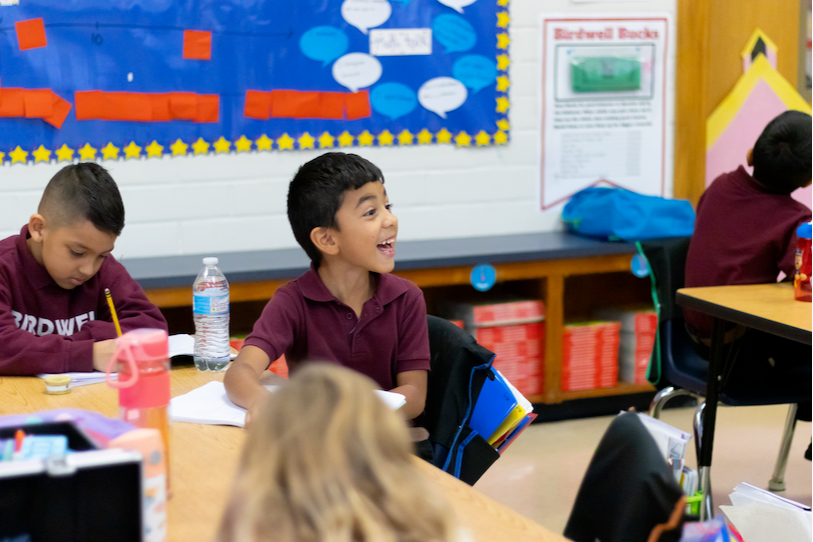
<point>306,322</point>
<point>47,329</point>
<point>743,234</point>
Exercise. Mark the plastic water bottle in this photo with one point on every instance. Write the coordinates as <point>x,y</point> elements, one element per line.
<point>211,312</point>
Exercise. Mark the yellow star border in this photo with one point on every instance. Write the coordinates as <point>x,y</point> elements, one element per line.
<point>200,146</point>
<point>63,153</point>
<point>132,151</point>
<point>405,137</point>
<point>345,139</point>
<point>87,152</point>
<point>110,152</point>
<point>366,139</point>
<point>41,154</point>
<point>284,142</point>
<point>306,141</point>
<point>221,145</point>
<point>385,138</point>
<point>154,150</point>
<point>18,155</point>
<point>179,148</point>
<point>326,140</point>
<point>244,144</point>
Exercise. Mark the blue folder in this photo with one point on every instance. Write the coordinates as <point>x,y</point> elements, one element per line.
<point>495,403</point>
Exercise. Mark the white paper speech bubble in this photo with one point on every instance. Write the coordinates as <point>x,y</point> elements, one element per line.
<point>442,94</point>
<point>457,5</point>
<point>356,70</point>
<point>364,14</point>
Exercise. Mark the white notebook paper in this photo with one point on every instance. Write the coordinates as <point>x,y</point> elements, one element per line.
<point>209,404</point>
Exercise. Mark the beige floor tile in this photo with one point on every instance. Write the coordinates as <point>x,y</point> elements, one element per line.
<point>539,475</point>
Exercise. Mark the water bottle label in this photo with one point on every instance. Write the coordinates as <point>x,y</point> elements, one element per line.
<point>211,305</point>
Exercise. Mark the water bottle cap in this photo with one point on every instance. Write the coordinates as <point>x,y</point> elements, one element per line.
<point>210,261</point>
<point>805,230</point>
<point>146,344</point>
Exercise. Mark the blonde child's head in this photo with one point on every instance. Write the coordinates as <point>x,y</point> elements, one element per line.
<point>327,461</point>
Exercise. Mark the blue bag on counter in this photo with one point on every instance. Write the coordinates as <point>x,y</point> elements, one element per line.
<point>617,214</point>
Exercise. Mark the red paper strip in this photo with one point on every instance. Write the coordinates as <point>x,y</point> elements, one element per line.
<point>147,107</point>
<point>61,108</point>
<point>182,105</point>
<point>258,105</point>
<point>331,105</point>
<point>301,104</point>
<point>30,34</point>
<point>208,108</point>
<point>197,45</point>
<point>39,102</point>
<point>12,103</point>
<point>358,105</point>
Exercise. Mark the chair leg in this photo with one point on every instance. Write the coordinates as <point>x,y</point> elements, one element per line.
<point>662,397</point>
<point>704,485</point>
<point>703,473</point>
<point>777,482</point>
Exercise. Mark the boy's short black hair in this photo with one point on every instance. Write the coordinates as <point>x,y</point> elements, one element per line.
<point>781,155</point>
<point>84,191</point>
<point>317,190</point>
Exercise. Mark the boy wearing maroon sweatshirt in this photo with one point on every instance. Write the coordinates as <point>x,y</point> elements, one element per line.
<point>54,316</point>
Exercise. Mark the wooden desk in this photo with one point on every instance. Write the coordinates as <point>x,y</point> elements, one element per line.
<point>204,457</point>
<point>767,307</point>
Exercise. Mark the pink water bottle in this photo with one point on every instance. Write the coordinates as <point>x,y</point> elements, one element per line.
<point>801,281</point>
<point>142,363</point>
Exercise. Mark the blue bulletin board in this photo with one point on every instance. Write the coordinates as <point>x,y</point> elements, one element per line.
<point>127,79</point>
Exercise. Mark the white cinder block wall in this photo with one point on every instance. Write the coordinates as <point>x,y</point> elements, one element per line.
<point>225,203</point>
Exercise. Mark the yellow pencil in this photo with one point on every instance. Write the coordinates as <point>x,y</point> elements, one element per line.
<point>112,310</point>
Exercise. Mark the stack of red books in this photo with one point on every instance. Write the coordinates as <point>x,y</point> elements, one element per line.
<point>590,355</point>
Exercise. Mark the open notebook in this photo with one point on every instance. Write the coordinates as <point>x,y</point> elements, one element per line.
<point>209,404</point>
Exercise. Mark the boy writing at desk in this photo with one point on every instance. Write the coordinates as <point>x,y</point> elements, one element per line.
<point>347,308</point>
<point>54,316</point>
<point>745,233</point>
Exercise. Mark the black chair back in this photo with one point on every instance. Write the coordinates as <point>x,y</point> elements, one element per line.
<point>459,366</point>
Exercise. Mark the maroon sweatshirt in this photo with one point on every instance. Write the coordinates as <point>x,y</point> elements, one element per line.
<point>47,329</point>
<point>743,234</point>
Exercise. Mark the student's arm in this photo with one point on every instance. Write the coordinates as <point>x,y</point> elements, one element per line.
<point>272,335</point>
<point>23,353</point>
<point>411,378</point>
<point>412,385</point>
<point>242,380</point>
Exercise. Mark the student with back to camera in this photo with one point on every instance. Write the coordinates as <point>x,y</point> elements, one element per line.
<point>348,308</point>
<point>326,461</point>
<point>745,233</point>
<point>54,316</point>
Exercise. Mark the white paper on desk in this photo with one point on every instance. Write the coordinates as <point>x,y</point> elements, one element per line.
<point>745,493</point>
<point>763,522</point>
<point>184,345</point>
<point>209,404</point>
<point>83,379</point>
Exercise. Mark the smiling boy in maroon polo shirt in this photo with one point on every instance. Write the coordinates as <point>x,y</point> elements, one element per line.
<point>347,308</point>
<point>54,316</point>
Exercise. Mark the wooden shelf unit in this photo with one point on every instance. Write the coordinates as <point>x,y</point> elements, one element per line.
<point>595,277</point>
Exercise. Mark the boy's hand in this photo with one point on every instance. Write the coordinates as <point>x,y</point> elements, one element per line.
<point>242,380</point>
<point>102,352</point>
